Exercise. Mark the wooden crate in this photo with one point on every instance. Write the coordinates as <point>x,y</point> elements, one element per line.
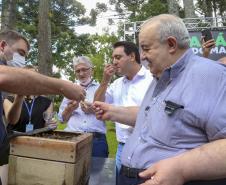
<point>42,160</point>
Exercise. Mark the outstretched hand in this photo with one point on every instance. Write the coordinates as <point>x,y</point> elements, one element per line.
<point>72,105</point>
<point>73,91</point>
<point>86,107</point>
<point>102,110</point>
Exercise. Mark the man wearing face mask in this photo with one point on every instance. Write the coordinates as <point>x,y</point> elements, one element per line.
<point>14,53</point>
<point>13,49</point>
<point>80,116</point>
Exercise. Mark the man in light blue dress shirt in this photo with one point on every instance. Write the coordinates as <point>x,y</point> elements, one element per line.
<point>180,127</point>
<point>80,116</point>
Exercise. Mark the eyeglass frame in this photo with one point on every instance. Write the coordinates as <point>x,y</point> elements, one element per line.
<point>84,70</point>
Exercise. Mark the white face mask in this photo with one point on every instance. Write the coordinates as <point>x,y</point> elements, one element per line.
<point>17,61</point>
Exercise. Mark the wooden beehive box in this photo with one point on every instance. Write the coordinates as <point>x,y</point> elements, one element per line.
<point>56,158</point>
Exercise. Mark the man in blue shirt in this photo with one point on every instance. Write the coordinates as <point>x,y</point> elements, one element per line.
<point>13,49</point>
<point>180,128</point>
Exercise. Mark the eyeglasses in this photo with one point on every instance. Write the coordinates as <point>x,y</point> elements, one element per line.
<point>84,70</point>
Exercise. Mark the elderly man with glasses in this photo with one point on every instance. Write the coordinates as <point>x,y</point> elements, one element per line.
<point>80,116</point>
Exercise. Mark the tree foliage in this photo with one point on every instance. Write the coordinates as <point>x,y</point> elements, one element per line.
<point>208,7</point>
<point>103,52</point>
<point>139,10</point>
<point>64,16</point>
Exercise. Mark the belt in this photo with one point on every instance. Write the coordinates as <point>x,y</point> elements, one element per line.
<point>134,173</point>
<point>121,143</point>
<point>130,172</point>
<point>209,182</point>
<point>98,134</point>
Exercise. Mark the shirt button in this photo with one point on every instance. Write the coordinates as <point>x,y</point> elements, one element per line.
<point>139,138</point>
<point>129,158</point>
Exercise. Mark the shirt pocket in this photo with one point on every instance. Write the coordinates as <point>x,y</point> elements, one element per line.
<point>176,130</point>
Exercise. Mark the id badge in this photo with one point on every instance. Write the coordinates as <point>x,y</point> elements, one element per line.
<point>29,127</point>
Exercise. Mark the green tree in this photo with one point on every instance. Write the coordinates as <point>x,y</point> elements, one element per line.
<point>208,8</point>
<point>64,17</point>
<point>103,52</point>
<point>136,10</point>
<point>99,49</point>
<point>139,10</point>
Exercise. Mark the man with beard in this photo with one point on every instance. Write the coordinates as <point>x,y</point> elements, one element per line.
<point>80,116</point>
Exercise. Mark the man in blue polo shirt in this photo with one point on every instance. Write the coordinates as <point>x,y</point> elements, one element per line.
<point>180,128</point>
<point>13,49</point>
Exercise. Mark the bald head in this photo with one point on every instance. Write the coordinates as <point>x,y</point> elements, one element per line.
<point>163,40</point>
<point>168,25</point>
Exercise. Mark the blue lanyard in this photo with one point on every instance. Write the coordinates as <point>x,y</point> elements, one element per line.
<point>29,111</point>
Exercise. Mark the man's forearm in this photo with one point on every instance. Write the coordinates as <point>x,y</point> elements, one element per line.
<point>100,92</point>
<point>125,115</point>
<point>205,162</point>
<point>15,110</point>
<point>66,114</point>
<point>24,80</point>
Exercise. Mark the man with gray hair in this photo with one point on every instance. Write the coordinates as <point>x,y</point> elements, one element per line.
<point>180,129</point>
<point>80,116</point>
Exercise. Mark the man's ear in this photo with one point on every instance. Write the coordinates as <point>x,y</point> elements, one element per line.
<point>2,45</point>
<point>133,57</point>
<point>172,44</point>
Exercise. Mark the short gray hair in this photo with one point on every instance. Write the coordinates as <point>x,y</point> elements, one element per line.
<point>171,25</point>
<point>82,60</point>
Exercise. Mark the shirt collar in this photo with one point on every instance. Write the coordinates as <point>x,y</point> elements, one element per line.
<point>140,74</point>
<point>179,66</point>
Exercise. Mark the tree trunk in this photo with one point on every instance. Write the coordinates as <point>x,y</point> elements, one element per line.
<point>214,8</point>
<point>8,21</point>
<point>208,7</point>
<point>173,7</point>
<point>44,39</point>
<point>189,9</point>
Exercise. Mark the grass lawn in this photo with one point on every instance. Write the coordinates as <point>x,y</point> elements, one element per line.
<point>111,137</point>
